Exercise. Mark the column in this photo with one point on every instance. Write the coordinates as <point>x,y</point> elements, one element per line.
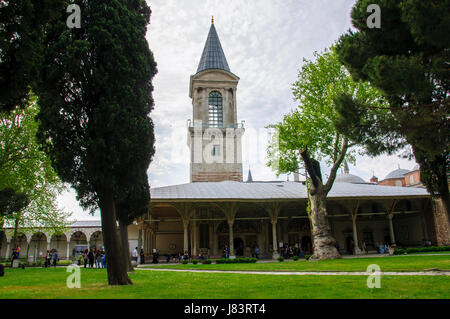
<point>195,239</point>
<point>140,239</point>
<point>185,236</point>
<point>356,249</point>
<point>68,250</point>
<point>275,254</point>
<point>391,229</point>
<point>211,240</point>
<point>231,236</point>
<point>48,244</point>
<point>8,248</point>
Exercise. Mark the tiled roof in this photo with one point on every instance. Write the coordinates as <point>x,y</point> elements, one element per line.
<point>398,173</point>
<point>86,223</point>
<point>213,56</point>
<point>279,190</point>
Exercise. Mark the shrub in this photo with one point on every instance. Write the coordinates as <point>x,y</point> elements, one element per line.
<point>281,258</point>
<point>185,262</point>
<point>207,261</point>
<point>195,261</point>
<point>307,257</point>
<point>413,250</point>
<point>236,260</point>
<point>295,258</point>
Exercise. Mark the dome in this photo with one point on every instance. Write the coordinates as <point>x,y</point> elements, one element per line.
<point>348,178</point>
<point>398,173</point>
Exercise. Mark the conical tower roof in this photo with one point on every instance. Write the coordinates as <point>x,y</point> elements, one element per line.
<point>213,56</point>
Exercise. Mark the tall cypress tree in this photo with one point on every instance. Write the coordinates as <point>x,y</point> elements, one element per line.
<point>95,97</point>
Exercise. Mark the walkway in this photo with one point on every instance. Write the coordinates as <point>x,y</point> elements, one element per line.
<point>308,273</point>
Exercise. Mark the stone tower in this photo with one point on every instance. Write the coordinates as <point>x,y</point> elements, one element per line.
<point>214,135</point>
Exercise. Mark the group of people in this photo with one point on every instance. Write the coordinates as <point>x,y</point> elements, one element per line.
<point>92,257</point>
<point>141,256</point>
<point>51,258</point>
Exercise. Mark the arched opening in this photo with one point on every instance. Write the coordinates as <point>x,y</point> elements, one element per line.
<point>78,243</point>
<point>38,246</point>
<point>59,242</point>
<point>215,109</point>
<point>96,240</point>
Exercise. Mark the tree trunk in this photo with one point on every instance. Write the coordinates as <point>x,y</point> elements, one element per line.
<point>16,229</point>
<point>323,241</point>
<point>117,271</point>
<point>123,230</point>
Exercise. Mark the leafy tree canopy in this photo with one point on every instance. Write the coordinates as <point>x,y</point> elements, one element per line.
<point>407,59</point>
<point>28,183</point>
<point>311,126</point>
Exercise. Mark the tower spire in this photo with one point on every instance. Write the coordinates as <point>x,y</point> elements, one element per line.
<point>213,56</point>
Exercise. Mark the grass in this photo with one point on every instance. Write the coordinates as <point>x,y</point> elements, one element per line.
<point>390,263</point>
<point>51,283</point>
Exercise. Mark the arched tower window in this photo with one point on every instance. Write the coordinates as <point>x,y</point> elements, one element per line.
<point>215,109</point>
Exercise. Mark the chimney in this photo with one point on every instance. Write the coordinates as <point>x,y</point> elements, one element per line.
<point>374,179</point>
<point>296,177</point>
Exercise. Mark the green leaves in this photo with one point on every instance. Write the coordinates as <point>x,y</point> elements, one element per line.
<point>27,179</point>
<point>313,124</point>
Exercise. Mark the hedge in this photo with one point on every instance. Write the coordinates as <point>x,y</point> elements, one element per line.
<point>236,260</point>
<point>413,250</point>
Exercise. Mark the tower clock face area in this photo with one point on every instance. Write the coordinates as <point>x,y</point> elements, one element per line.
<point>214,137</point>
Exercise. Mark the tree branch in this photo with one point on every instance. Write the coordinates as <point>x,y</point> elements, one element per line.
<point>336,164</point>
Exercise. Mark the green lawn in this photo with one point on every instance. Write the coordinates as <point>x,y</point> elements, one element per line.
<point>51,283</point>
<point>391,263</point>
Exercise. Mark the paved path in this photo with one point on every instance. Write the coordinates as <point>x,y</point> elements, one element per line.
<point>307,273</point>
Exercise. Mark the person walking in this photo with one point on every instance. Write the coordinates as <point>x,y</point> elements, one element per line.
<point>142,256</point>
<point>91,257</point>
<point>256,252</point>
<point>55,258</point>
<point>135,255</point>
<point>85,257</point>
<point>47,259</point>
<point>104,260</point>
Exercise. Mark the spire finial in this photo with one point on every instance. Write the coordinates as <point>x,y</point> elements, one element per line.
<point>212,20</point>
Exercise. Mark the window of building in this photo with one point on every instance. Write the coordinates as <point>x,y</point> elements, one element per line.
<point>398,183</point>
<point>215,109</point>
<point>411,179</point>
<point>216,150</point>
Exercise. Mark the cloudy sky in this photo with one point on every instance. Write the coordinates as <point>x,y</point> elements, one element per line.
<point>264,42</point>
